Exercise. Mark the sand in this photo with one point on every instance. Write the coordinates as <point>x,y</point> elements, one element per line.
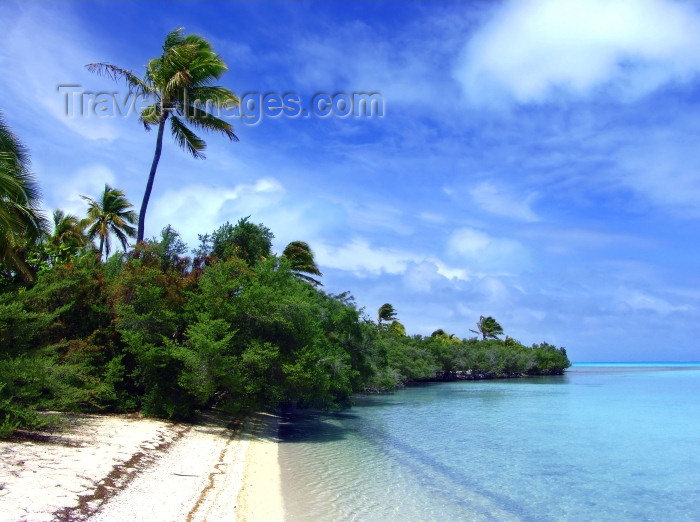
<point>115,467</point>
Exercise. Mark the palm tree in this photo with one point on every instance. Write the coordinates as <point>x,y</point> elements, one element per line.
<point>68,230</point>
<point>386,312</point>
<point>445,337</point>
<point>21,222</point>
<point>397,328</point>
<point>488,327</point>
<point>301,260</point>
<point>110,215</point>
<point>178,81</point>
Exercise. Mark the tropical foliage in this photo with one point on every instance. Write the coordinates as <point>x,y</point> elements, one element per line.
<point>157,332</point>
<point>21,222</point>
<point>244,240</point>
<point>179,82</point>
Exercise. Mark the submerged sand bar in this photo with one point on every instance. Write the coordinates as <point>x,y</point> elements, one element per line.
<point>115,467</point>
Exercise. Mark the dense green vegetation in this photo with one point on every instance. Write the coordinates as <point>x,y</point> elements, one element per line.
<point>234,326</point>
<point>154,331</point>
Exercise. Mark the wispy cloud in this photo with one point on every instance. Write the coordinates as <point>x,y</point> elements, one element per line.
<point>37,71</point>
<point>363,259</point>
<point>637,300</point>
<point>484,253</point>
<point>501,202</point>
<point>531,51</point>
<point>662,166</point>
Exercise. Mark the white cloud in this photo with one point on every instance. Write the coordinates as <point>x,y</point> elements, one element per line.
<point>640,301</point>
<point>361,258</point>
<point>501,202</point>
<point>493,290</point>
<point>532,50</point>
<point>449,272</point>
<point>470,242</point>
<point>89,181</point>
<point>419,277</point>
<point>196,209</point>
<point>485,254</point>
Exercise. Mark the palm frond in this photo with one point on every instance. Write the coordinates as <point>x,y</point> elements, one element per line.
<point>207,67</point>
<point>178,81</point>
<point>116,73</point>
<point>211,123</point>
<point>173,38</point>
<point>121,236</point>
<point>150,116</point>
<point>186,139</point>
<point>21,220</point>
<point>11,146</point>
<point>219,95</point>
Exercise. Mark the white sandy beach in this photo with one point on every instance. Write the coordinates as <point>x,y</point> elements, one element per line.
<point>115,467</point>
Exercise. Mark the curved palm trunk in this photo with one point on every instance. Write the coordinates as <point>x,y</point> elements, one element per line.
<point>151,177</point>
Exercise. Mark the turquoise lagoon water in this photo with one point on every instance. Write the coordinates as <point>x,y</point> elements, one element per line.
<point>603,442</point>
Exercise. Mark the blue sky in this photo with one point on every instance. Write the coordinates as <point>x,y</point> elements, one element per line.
<point>537,161</point>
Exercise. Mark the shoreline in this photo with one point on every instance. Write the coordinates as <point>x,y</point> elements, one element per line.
<point>260,496</point>
<point>123,467</point>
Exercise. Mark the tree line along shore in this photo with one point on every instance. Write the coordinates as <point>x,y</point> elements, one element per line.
<point>233,325</point>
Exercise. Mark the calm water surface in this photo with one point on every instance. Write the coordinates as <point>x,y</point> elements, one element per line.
<point>604,442</point>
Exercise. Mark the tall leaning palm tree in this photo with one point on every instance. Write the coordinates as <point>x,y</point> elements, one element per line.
<point>179,82</point>
<point>302,262</point>
<point>21,222</point>
<point>110,215</point>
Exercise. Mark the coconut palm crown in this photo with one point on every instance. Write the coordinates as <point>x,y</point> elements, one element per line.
<point>488,327</point>
<point>386,312</point>
<point>67,231</point>
<point>302,262</point>
<point>179,82</point>
<point>110,215</point>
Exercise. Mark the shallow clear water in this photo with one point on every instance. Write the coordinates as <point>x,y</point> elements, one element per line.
<point>604,442</point>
